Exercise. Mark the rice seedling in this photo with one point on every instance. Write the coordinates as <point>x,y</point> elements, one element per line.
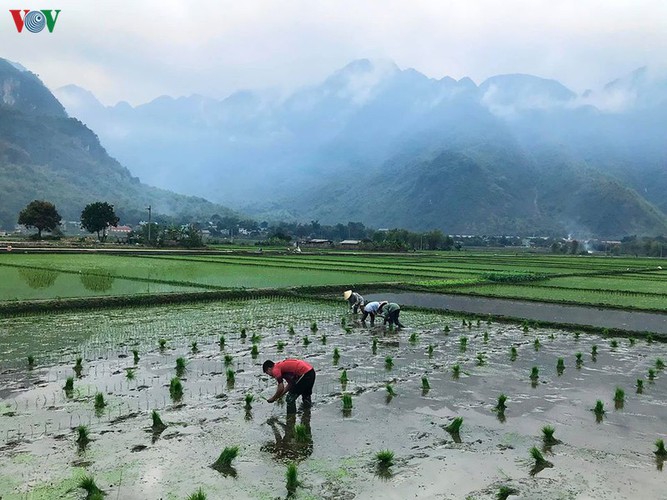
<point>649,337</point>
<point>480,359</point>
<point>343,321</point>
<point>640,386</point>
<point>347,402</point>
<point>313,326</point>
<point>469,325</point>
<point>31,361</point>
<point>162,344</point>
<point>619,395</point>
<point>194,348</point>
<point>292,479</point>
<point>576,335</point>
<point>78,367</point>
<point>343,377</point>
<point>158,425</point>
<point>87,483</point>
<point>504,492</point>
<point>632,341</point>
<point>180,366</point>
<point>651,374</point>
<point>580,360</point>
<point>227,456</point>
<point>536,344</point>
<point>255,339</point>
<point>548,436</point>
<point>388,363</point>
<point>447,330</point>
<point>231,376</point>
<point>425,384</point>
<point>413,338</point>
<point>301,433</point>
<point>254,352</point>
<point>560,366</point>
<point>135,355</point>
<point>463,343</point>
<point>197,495</point>
<point>375,345</point>
<point>525,327</point>
<point>176,389</point>
<point>384,458</point>
<point>69,386</point>
<point>390,390</point>
<point>552,336</point>
<point>129,374</point>
<point>244,333</point>
<point>660,451</point>
<point>290,330</point>
<point>613,344</point>
<point>534,373</point>
<point>221,342</point>
<point>306,340</point>
<point>454,426</point>
<point>659,364</point>
<point>99,401</point>
<point>513,353</point>
<point>599,410</point>
<point>500,406</point>
<point>82,437</point>
<point>456,371</point>
<point>280,345</point>
<point>323,339</point>
<point>540,462</point>
<point>594,351</point>
<point>249,398</point>
<point>430,350</point>
<point>336,355</point>
<point>486,337</point>
<point>463,324</point>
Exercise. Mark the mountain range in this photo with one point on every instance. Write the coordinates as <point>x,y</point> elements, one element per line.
<point>391,147</point>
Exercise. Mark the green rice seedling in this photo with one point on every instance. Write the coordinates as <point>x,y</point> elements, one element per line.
<point>660,451</point>
<point>301,433</point>
<point>480,359</point>
<point>292,479</point>
<point>347,402</point>
<point>290,330</point>
<point>500,406</point>
<point>534,373</point>
<point>425,384</point>
<point>469,325</point>
<point>135,355</point>
<point>504,492</point>
<point>313,326</point>
<point>525,327</point>
<point>552,336</point>
<point>580,360</point>
<point>343,321</point>
<point>99,401</point>
<point>255,339</point>
<point>619,395</point>
<point>479,323</point>
<point>640,386</point>
<point>513,353</point>
<point>306,340</point>
<point>463,324</point>
<point>649,337</point>
<point>87,483</point>
<point>78,367</point>
<point>486,337</point>
<point>536,344</point>
<point>244,333</point>
<point>194,348</point>
<point>129,374</point>
<point>613,344</point>
<point>632,341</point>
<point>390,390</point>
<point>594,351</point>
<point>576,335</point>
<point>249,398</point>
<point>82,437</point>
<point>388,363</point>
<point>323,339</point>
<point>221,342</point>
<point>197,495</point>
<point>540,462</point>
<point>463,343</point>
<point>176,389</point>
<point>162,343</point>
<point>651,374</point>
<point>158,425</point>
<point>384,458</point>
<point>69,386</point>
<point>31,361</point>
<point>548,436</point>
<point>413,338</point>
<point>229,359</point>
<point>348,329</point>
<point>447,330</point>
<point>454,426</point>
<point>343,377</point>
<point>180,366</point>
<point>375,345</point>
<point>254,352</point>
<point>336,355</point>
<point>227,456</point>
<point>599,408</point>
<point>456,371</point>
<point>430,350</point>
<point>280,346</point>
<point>659,364</point>
<point>560,366</point>
<point>231,376</point>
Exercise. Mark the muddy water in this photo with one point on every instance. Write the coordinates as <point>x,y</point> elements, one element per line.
<point>610,459</point>
<point>555,313</point>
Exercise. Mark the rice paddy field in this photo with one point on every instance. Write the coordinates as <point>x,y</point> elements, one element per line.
<point>424,417</point>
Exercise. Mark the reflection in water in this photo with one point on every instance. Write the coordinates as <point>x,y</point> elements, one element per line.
<point>38,278</point>
<point>97,280</point>
<point>287,446</point>
<point>659,461</point>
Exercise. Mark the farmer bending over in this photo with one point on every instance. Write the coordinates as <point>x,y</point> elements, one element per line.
<point>372,308</point>
<point>355,300</point>
<point>300,378</point>
<point>390,311</point>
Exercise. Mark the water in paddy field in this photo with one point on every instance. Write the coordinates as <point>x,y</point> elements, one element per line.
<point>39,457</point>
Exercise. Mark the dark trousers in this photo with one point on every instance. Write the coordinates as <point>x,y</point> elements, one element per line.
<point>366,314</point>
<point>303,388</point>
<point>392,317</point>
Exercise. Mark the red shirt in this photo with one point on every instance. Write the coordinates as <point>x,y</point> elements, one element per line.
<point>290,370</point>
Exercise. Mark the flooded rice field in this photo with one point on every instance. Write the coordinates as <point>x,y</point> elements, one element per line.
<point>608,455</point>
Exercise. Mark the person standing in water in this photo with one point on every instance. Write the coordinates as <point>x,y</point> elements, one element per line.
<point>372,309</point>
<point>299,376</point>
<point>355,300</point>
<point>391,311</point>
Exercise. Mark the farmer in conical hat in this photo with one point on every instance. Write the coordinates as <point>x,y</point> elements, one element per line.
<point>355,300</point>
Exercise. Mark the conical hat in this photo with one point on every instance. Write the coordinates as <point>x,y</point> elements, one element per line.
<point>347,294</point>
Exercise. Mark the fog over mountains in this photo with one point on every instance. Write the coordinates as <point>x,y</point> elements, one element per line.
<point>394,148</point>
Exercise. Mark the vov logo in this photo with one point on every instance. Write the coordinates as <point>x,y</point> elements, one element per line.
<point>35,20</point>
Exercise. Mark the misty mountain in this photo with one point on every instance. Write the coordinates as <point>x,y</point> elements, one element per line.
<point>392,147</point>
<point>44,154</point>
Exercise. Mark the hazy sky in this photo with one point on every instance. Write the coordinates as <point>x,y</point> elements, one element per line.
<point>136,51</point>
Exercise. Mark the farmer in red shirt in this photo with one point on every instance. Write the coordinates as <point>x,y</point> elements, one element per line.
<point>300,377</point>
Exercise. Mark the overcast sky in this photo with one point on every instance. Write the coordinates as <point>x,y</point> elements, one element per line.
<point>138,50</point>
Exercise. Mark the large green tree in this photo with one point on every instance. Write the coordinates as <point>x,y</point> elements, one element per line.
<point>41,215</point>
<point>97,217</point>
